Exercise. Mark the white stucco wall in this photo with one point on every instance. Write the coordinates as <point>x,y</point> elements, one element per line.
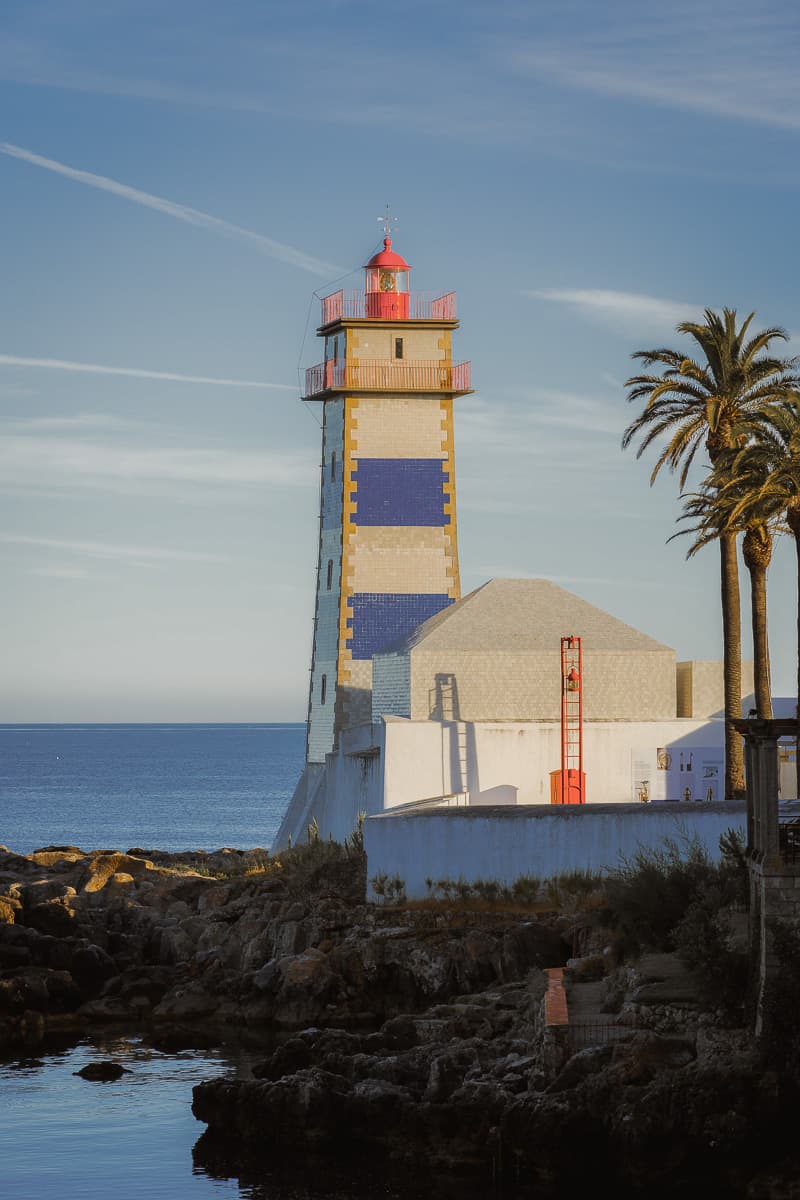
<point>506,843</point>
<point>430,758</point>
<point>394,762</point>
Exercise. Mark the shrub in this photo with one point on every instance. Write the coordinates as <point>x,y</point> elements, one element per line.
<point>575,889</point>
<point>525,890</point>
<point>671,898</point>
<point>649,893</point>
<point>391,888</point>
<point>355,842</point>
<point>702,939</point>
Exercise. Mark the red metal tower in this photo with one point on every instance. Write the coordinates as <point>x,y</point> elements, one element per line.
<point>568,786</point>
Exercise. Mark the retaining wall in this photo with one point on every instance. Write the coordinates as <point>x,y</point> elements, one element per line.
<point>505,842</point>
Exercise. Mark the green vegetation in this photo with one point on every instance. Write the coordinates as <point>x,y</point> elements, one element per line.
<point>727,401</point>
<point>390,888</point>
<point>676,899</point>
<point>524,892</point>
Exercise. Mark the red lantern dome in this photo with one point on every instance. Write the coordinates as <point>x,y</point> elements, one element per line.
<point>386,284</point>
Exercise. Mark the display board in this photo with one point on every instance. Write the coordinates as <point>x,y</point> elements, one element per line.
<point>664,773</point>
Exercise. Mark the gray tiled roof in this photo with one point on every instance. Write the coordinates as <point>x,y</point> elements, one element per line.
<point>524,614</point>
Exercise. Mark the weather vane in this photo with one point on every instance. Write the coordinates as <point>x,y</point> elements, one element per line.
<point>388,222</point>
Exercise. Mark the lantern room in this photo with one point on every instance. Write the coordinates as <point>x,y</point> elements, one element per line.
<point>386,284</point>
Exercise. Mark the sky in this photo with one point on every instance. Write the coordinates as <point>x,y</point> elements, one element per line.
<point>180,181</point>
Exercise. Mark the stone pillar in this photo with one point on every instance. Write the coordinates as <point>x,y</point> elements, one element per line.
<point>774,884</point>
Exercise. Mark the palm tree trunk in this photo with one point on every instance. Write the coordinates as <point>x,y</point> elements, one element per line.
<point>732,666</point>
<point>757,552</point>
<point>793,521</point>
<point>796,533</point>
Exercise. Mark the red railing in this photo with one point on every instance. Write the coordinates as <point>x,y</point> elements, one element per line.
<point>385,375</point>
<point>423,306</point>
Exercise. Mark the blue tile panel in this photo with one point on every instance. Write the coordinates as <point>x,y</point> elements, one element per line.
<point>399,491</point>
<point>382,618</point>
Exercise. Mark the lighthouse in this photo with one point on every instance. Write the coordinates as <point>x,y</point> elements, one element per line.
<point>388,551</point>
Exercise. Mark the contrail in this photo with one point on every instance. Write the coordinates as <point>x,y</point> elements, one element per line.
<point>192,216</point>
<point>60,364</point>
<point>108,550</point>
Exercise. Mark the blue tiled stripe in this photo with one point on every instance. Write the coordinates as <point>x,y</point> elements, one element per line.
<point>382,618</point>
<point>399,491</point>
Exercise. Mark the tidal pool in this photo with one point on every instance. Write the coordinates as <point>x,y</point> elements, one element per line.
<point>63,1138</point>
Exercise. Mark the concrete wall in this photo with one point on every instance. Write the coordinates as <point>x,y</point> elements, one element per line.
<point>350,782</point>
<point>505,843</point>
<point>394,762</point>
<point>700,689</point>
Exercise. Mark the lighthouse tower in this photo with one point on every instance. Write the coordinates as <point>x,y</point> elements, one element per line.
<point>388,556</point>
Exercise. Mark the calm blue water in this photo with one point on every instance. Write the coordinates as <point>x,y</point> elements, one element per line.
<point>168,787</point>
<point>165,786</point>
<point>63,1138</point>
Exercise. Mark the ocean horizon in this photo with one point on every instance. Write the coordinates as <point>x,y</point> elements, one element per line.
<point>161,785</point>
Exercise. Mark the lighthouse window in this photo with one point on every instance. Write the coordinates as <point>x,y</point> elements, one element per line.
<point>323,688</point>
<point>330,573</point>
<point>398,347</point>
<point>333,465</point>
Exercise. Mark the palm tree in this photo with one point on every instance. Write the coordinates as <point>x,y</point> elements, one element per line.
<point>713,403</point>
<point>768,471</point>
<point>720,508</point>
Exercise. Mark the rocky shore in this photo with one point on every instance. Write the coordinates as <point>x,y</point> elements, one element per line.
<point>412,1038</point>
<point>171,941</point>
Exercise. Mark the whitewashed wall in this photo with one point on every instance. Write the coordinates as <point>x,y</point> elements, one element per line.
<point>505,843</point>
<point>514,759</point>
<point>394,762</point>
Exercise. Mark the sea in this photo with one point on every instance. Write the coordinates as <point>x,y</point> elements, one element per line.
<point>171,787</point>
<point>164,787</point>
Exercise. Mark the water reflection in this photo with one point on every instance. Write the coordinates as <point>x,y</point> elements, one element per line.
<point>134,1138</point>
<point>64,1138</point>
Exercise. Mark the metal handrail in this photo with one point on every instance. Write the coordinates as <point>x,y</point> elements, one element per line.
<point>387,375</point>
<point>423,306</point>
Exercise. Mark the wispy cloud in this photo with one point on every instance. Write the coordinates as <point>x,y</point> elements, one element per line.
<point>538,423</point>
<point>723,60</point>
<point>60,572</point>
<point>81,420</point>
<point>182,212</point>
<point>630,312</point>
<point>60,364</point>
<point>117,552</point>
<point>48,464</point>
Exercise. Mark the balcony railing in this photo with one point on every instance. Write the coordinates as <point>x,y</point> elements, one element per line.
<point>422,306</point>
<point>386,375</point>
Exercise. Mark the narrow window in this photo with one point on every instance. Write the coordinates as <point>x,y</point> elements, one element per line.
<point>333,465</point>
<point>330,573</point>
<point>398,347</point>
<point>323,688</point>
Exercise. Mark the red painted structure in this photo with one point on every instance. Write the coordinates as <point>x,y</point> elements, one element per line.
<point>568,786</point>
<point>386,288</point>
<point>422,306</point>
